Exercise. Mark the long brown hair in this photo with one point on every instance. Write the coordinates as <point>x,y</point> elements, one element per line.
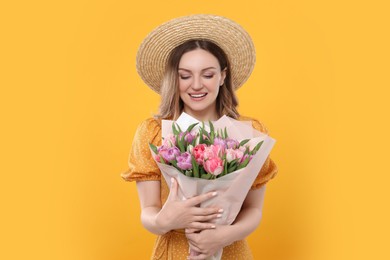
<point>171,105</point>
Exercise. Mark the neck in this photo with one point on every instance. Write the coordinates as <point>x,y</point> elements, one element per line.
<point>202,116</point>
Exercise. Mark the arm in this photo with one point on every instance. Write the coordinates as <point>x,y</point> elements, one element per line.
<point>149,196</point>
<point>208,242</point>
<point>175,214</point>
<point>249,217</point>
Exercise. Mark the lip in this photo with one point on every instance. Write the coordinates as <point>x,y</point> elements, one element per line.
<point>198,99</point>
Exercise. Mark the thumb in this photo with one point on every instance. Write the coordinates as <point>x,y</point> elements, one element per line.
<point>173,191</point>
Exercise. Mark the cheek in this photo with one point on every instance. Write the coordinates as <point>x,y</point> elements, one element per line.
<point>183,86</point>
<point>215,86</point>
<point>182,91</point>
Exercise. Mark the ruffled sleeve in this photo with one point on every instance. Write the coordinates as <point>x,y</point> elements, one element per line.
<point>142,166</point>
<point>269,169</point>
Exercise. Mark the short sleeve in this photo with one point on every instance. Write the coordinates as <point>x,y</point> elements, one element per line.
<point>142,166</point>
<point>269,169</point>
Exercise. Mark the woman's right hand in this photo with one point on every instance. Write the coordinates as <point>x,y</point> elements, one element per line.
<point>185,214</point>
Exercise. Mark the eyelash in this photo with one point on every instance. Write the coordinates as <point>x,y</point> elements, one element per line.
<point>206,76</point>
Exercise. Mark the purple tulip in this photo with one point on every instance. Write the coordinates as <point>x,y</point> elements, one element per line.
<point>184,161</point>
<point>231,143</point>
<point>189,137</point>
<point>220,142</point>
<point>170,153</point>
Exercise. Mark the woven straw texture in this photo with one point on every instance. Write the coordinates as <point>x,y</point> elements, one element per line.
<point>153,53</point>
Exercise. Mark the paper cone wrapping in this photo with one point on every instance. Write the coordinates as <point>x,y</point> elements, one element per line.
<point>233,187</point>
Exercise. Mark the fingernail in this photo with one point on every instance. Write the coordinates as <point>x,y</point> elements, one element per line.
<point>219,215</point>
<point>212,226</point>
<point>214,193</point>
<point>171,180</point>
<point>220,210</point>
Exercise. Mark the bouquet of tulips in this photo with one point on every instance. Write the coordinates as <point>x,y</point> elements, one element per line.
<point>224,156</point>
<point>203,154</point>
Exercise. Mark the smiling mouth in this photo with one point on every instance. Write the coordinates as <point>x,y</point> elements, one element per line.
<point>198,95</point>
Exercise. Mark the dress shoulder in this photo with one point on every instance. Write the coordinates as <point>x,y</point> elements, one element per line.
<point>269,169</point>
<point>256,124</point>
<point>141,165</point>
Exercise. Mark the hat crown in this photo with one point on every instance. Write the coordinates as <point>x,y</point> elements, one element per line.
<point>153,53</point>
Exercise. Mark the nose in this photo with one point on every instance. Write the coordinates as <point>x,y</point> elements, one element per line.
<point>197,83</point>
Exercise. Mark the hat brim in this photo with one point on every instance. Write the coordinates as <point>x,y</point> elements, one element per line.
<point>154,51</point>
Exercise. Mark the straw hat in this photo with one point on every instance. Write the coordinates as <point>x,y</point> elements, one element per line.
<point>154,51</point>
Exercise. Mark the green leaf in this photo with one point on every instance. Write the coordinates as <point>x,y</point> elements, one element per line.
<point>232,168</point>
<point>207,176</point>
<point>234,162</point>
<point>174,163</point>
<point>244,142</point>
<point>244,163</point>
<point>200,135</point>
<point>211,127</point>
<point>207,142</point>
<point>162,159</point>
<point>180,143</point>
<point>177,139</point>
<point>195,167</point>
<point>256,148</point>
<point>226,135</point>
<point>194,141</point>
<point>179,128</point>
<point>188,173</point>
<point>154,148</point>
<point>225,169</point>
<point>189,129</point>
<point>175,132</point>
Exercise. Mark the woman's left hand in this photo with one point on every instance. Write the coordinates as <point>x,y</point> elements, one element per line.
<point>208,242</point>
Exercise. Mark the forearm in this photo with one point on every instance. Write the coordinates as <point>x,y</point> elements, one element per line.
<point>246,222</point>
<point>150,221</point>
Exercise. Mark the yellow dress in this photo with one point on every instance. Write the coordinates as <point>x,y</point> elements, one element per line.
<point>173,245</point>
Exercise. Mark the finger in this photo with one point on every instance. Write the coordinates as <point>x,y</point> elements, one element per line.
<point>206,211</point>
<point>194,250</point>
<point>207,218</point>
<point>201,226</point>
<point>191,230</point>
<point>194,247</point>
<point>201,256</point>
<point>201,198</point>
<point>173,191</point>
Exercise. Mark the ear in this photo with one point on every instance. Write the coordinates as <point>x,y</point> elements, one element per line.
<point>223,76</point>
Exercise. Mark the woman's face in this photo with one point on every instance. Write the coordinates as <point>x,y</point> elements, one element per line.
<point>200,76</point>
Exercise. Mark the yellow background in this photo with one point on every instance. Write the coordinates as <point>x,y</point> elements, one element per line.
<point>71,100</point>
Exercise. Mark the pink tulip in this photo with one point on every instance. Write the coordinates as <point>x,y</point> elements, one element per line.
<point>157,158</point>
<point>213,151</point>
<point>198,153</point>
<point>214,166</point>
<point>230,155</point>
<point>239,153</point>
<point>169,141</point>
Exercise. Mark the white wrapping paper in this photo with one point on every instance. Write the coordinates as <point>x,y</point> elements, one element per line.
<point>233,187</point>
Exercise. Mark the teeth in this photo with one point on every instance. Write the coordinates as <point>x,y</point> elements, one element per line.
<point>198,95</point>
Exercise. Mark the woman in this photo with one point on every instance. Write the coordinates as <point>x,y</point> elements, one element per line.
<point>195,63</point>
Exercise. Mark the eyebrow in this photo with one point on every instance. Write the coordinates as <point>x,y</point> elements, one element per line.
<point>202,69</point>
